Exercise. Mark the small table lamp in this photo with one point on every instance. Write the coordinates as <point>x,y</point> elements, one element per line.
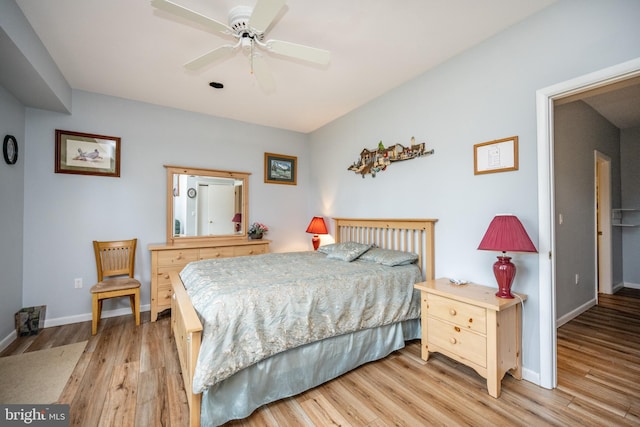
<point>316,226</point>
<point>237,218</point>
<point>506,233</point>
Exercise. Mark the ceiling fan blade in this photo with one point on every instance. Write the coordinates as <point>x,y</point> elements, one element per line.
<point>293,50</point>
<point>191,15</point>
<point>264,13</point>
<point>210,57</point>
<point>262,73</point>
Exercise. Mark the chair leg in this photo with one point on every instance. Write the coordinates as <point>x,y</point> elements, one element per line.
<point>134,300</point>
<point>95,314</point>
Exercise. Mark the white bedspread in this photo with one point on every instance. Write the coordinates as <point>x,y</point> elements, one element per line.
<point>256,306</point>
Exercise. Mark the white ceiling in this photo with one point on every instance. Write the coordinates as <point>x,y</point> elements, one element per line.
<point>128,49</point>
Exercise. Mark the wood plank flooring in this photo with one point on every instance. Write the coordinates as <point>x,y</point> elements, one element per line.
<point>130,376</point>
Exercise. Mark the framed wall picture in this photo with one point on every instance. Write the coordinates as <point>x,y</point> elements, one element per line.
<point>500,155</point>
<point>87,154</point>
<point>280,169</point>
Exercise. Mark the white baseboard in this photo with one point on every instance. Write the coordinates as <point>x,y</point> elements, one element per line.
<point>575,313</point>
<point>8,340</point>
<point>631,285</point>
<point>531,376</point>
<point>88,316</point>
<point>615,288</point>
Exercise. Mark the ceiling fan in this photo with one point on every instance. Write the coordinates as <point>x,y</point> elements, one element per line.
<point>248,26</point>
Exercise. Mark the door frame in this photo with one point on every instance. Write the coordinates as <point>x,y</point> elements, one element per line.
<point>546,209</point>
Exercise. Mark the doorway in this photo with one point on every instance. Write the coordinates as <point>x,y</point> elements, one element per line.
<point>546,210</point>
<point>603,223</point>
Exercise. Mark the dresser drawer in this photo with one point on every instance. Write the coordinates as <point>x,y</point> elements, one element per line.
<point>249,250</point>
<point>178,258</point>
<point>164,296</point>
<point>467,316</point>
<point>162,275</point>
<point>222,252</point>
<point>455,340</point>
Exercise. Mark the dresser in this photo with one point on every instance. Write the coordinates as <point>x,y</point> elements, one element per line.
<point>468,323</point>
<point>166,258</point>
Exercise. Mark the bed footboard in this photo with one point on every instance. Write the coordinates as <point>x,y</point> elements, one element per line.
<point>187,331</point>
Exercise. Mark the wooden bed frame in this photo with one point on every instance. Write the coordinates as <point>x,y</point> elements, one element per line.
<point>411,235</point>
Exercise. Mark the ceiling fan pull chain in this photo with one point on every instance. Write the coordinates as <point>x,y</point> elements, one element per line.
<point>251,56</point>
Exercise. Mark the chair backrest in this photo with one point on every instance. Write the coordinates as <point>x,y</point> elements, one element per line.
<point>115,258</point>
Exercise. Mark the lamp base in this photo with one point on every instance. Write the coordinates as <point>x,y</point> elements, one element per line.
<point>505,271</point>
<point>316,242</point>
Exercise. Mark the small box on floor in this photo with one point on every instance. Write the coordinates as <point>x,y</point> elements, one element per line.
<point>30,320</point>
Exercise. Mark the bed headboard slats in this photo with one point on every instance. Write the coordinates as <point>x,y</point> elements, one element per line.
<point>409,235</point>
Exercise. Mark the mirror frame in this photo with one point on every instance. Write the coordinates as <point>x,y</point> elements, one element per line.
<point>181,170</point>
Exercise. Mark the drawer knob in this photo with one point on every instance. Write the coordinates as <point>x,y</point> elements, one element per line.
<point>452,311</point>
<point>452,340</point>
<point>173,296</point>
<point>166,276</point>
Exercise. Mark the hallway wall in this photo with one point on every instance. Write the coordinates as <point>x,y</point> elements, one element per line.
<point>578,131</point>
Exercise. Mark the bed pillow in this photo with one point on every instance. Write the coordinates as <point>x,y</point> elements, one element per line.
<point>389,257</point>
<point>327,249</point>
<point>348,251</point>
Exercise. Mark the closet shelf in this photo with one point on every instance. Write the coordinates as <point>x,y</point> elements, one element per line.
<point>618,217</point>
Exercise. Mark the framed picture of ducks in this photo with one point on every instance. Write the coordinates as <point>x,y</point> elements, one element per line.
<point>87,154</point>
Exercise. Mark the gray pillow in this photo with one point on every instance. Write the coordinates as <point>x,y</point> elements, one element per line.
<point>389,257</point>
<point>347,251</point>
<point>327,249</point>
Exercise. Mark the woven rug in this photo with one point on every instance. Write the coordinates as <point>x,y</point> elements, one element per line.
<point>38,377</point>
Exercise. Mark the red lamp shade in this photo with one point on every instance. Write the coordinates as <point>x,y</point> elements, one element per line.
<point>506,233</point>
<point>237,218</point>
<point>316,226</point>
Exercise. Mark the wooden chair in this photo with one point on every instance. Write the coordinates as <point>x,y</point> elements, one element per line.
<point>115,263</point>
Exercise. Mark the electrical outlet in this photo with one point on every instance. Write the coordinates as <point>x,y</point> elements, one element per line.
<point>577,278</point>
<point>78,282</point>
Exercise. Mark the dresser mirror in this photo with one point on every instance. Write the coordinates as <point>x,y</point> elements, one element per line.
<point>206,204</point>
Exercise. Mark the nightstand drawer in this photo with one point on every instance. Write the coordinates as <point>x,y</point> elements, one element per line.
<point>455,340</point>
<point>467,316</point>
<point>178,258</point>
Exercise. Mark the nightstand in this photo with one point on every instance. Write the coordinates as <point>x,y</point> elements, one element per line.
<point>468,323</point>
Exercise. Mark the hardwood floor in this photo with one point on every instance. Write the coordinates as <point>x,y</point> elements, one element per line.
<point>130,376</point>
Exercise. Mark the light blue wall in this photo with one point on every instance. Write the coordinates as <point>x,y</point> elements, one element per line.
<point>483,94</point>
<point>11,214</point>
<point>64,213</point>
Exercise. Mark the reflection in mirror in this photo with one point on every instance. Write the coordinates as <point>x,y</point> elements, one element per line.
<point>205,203</point>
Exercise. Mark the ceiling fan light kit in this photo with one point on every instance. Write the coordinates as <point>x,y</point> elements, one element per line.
<point>248,26</point>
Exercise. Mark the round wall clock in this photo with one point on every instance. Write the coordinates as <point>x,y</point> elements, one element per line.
<point>10,149</point>
<point>191,192</point>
